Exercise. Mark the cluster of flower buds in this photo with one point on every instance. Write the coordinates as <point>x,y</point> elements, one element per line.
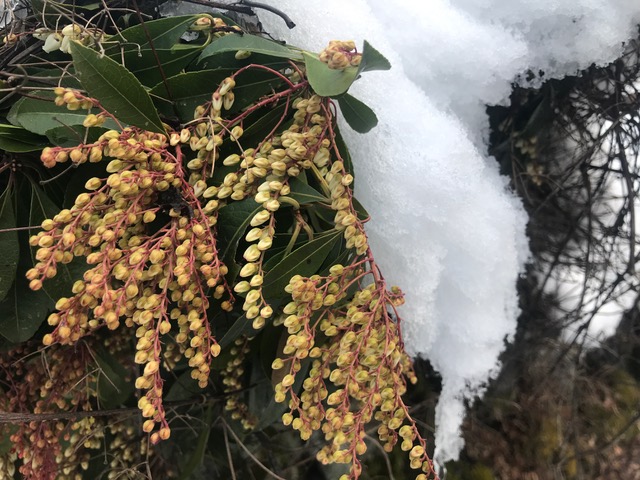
<point>61,380</point>
<point>363,357</point>
<point>215,25</point>
<point>126,448</point>
<point>340,55</point>
<point>232,381</point>
<point>61,39</point>
<point>152,251</point>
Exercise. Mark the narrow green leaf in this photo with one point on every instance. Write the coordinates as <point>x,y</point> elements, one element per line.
<point>358,115</point>
<point>191,89</point>
<point>372,59</point>
<point>9,247</point>
<point>250,43</point>
<point>242,326</point>
<point>116,88</point>
<point>113,387</point>
<point>40,115</point>
<point>363,215</point>
<point>20,140</point>
<point>144,63</point>
<point>325,81</point>
<point>197,457</point>
<point>303,261</point>
<point>163,33</point>
<point>344,153</point>
<point>233,221</point>
<point>304,194</point>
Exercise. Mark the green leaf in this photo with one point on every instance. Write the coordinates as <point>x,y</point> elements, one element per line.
<point>73,135</point>
<point>303,261</point>
<point>372,59</point>
<point>19,140</point>
<point>363,215</point>
<point>183,388</point>
<point>162,33</point>
<point>197,457</point>
<point>144,64</point>
<point>9,247</point>
<point>113,386</point>
<point>233,220</point>
<point>358,115</point>
<point>42,207</point>
<point>242,326</point>
<point>188,90</point>
<point>325,81</point>
<point>119,92</point>
<point>40,115</point>
<point>250,43</point>
<point>303,193</point>
<point>22,311</point>
<point>6,431</point>
<point>261,123</point>
<point>328,82</point>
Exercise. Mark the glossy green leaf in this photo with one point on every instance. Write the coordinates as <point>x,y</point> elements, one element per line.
<point>42,207</point>
<point>261,124</point>
<point>9,247</point>
<point>188,90</point>
<point>372,59</point>
<point>183,388</point>
<point>250,43</point>
<point>116,88</point>
<point>162,33</point>
<point>358,115</point>
<point>326,81</point>
<point>23,311</point>
<point>304,194</point>
<point>73,135</point>
<point>303,261</point>
<point>19,140</point>
<point>363,215</point>
<point>242,326</point>
<point>41,115</point>
<point>144,63</point>
<point>344,154</point>
<point>113,386</point>
<point>233,220</point>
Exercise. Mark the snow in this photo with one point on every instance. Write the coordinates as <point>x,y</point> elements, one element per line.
<point>445,227</point>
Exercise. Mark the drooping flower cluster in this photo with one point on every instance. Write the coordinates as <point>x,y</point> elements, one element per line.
<point>151,248</point>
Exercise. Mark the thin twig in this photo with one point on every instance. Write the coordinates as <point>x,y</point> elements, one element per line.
<point>251,455</point>
<point>228,448</point>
